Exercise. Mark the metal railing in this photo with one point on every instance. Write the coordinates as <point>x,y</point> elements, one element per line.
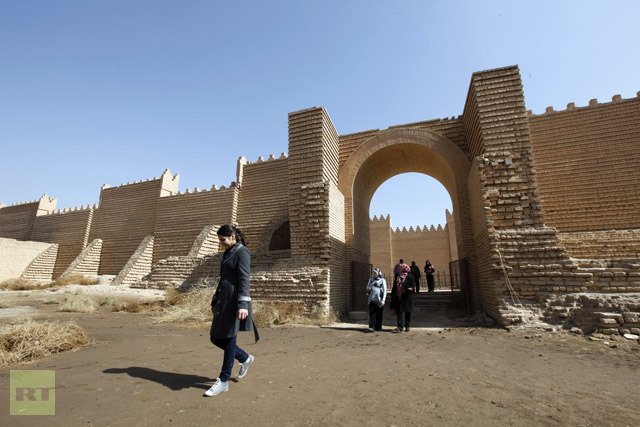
<point>441,280</point>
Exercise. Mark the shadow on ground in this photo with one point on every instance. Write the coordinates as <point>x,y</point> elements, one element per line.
<point>170,380</point>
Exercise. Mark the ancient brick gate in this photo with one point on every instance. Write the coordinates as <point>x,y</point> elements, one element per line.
<point>306,213</point>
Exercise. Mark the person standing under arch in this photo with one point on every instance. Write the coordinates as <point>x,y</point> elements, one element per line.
<point>428,270</point>
<point>377,289</point>
<point>415,270</point>
<point>402,297</point>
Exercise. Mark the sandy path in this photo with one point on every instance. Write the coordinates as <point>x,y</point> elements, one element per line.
<point>145,373</point>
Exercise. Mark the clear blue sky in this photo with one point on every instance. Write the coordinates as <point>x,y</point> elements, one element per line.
<point>95,92</point>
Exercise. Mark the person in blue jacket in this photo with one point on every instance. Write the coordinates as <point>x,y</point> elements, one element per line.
<point>231,306</point>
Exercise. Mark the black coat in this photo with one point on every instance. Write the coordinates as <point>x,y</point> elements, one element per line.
<point>232,294</point>
<point>404,303</point>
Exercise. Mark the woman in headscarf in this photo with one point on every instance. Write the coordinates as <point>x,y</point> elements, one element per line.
<point>402,297</point>
<point>428,269</point>
<point>377,289</point>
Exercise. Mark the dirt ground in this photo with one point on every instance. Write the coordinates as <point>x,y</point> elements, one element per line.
<point>140,372</point>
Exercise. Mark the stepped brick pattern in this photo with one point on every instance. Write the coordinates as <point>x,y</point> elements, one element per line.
<point>41,268</point>
<point>181,218</point>
<point>126,215</point>
<point>69,229</point>
<point>544,213</point>
<point>88,262</point>
<point>138,266</point>
<point>15,256</point>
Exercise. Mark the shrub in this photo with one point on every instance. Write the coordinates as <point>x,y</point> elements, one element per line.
<point>78,304</point>
<point>31,340</point>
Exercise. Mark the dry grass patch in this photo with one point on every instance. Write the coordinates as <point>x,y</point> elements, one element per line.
<point>32,340</point>
<point>27,285</point>
<point>194,306</point>
<point>78,304</point>
<point>21,285</point>
<point>75,279</point>
<point>173,296</point>
<point>270,313</point>
<point>136,307</point>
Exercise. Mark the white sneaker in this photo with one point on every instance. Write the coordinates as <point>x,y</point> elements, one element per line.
<point>217,388</point>
<point>244,367</point>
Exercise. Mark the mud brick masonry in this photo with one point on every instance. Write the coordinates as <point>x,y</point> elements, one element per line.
<point>546,212</point>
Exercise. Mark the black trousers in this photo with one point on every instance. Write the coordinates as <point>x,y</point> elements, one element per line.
<point>407,319</point>
<point>375,316</point>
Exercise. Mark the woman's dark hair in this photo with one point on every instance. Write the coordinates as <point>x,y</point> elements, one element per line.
<point>228,230</point>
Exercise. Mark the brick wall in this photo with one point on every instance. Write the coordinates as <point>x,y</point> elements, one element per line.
<point>263,199</point>
<point>181,218</point>
<point>590,157</point>
<point>126,215</point>
<point>16,221</point>
<point>69,229</point>
<point>381,254</point>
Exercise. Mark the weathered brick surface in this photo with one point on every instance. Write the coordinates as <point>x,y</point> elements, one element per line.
<point>16,221</point>
<point>181,218</point>
<point>41,268</point>
<point>590,160</point>
<point>265,199</point>
<point>88,262</point>
<point>126,215</point>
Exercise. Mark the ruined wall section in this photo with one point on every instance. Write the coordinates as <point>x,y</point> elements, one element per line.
<point>68,228</point>
<point>126,215</point>
<point>591,178</point>
<point>17,220</point>
<point>263,198</point>
<point>182,217</point>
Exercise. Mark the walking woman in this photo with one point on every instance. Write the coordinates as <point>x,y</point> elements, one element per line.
<point>377,289</point>
<point>402,297</point>
<point>231,306</point>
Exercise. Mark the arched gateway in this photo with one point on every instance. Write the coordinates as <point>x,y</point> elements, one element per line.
<point>393,152</point>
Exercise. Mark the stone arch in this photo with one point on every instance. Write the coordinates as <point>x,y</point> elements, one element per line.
<point>275,229</point>
<point>397,151</point>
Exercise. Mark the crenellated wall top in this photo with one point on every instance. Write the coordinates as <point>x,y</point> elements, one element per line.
<point>425,229</point>
<point>592,103</point>
<point>87,208</point>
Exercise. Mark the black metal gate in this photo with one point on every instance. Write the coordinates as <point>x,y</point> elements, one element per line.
<point>360,274</point>
<point>459,271</point>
